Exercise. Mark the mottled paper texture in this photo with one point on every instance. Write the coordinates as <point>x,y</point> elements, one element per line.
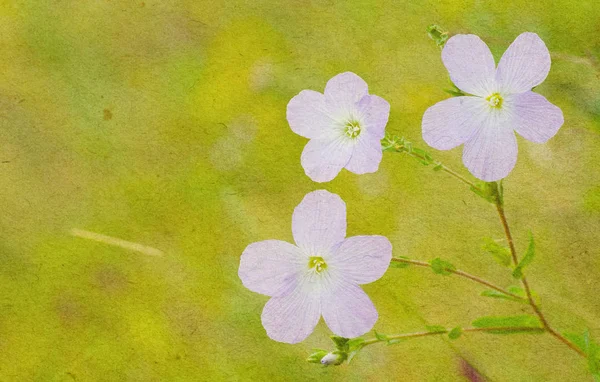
<point>161,125</point>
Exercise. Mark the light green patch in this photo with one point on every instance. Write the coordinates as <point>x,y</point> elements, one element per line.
<point>495,100</point>
<point>317,263</point>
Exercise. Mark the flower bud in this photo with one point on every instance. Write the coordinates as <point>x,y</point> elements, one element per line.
<point>334,358</point>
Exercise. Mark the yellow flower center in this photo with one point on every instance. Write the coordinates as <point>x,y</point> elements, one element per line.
<point>317,263</point>
<point>495,100</point>
<point>352,129</point>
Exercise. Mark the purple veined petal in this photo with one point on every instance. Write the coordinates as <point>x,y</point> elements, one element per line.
<point>525,64</point>
<point>343,92</point>
<point>534,117</point>
<point>470,64</point>
<point>347,310</point>
<point>308,116</point>
<point>319,222</point>
<point>293,317</point>
<point>374,113</point>
<point>361,259</point>
<point>452,122</point>
<point>272,267</point>
<point>366,155</point>
<point>322,159</point>
<point>491,153</point>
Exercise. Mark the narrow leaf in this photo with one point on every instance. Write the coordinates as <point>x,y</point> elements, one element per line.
<point>496,294</point>
<point>527,259</point>
<point>500,253</point>
<point>523,322</point>
<point>341,343</point>
<point>442,267</point>
<point>455,333</point>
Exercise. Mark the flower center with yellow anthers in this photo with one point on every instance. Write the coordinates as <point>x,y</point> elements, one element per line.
<point>352,129</point>
<point>495,100</point>
<point>317,263</point>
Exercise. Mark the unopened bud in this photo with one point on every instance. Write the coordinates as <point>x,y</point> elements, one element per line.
<point>334,358</point>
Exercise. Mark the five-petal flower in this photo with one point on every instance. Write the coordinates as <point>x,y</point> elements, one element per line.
<point>502,103</point>
<point>345,127</point>
<point>317,276</point>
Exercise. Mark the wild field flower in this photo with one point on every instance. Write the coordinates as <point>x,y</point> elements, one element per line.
<point>320,275</point>
<point>345,127</point>
<point>501,103</point>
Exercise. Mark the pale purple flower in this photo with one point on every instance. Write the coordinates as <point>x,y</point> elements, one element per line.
<point>345,127</point>
<point>502,103</point>
<point>317,276</point>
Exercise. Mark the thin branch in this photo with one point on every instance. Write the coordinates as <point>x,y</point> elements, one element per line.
<point>462,274</point>
<point>464,330</point>
<point>534,306</point>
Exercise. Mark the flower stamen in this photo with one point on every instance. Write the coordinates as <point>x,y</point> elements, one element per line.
<point>352,129</point>
<point>317,263</point>
<point>495,100</point>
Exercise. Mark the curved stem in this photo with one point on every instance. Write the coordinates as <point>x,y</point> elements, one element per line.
<point>534,306</point>
<point>400,145</point>
<point>462,274</point>
<point>464,330</point>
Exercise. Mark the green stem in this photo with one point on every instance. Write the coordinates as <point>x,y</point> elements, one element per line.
<point>534,306</point>
<point>400,145</point>
<point>392,143</point>
<point>464,330</point>
<point>462,274</point>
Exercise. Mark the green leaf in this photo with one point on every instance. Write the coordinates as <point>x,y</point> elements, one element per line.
<point>500,253</point>
<point>455,93</point>
<point>317,355</point>
<point>455,333</point>
<point>435,329</point>
<point>355,343</point>
<point>589,347</point>
<point>438,167</point>
<point>496,294</point>
<point>381,337</point>
<point>523,323</point>
<point>442,267</point>
<point>394,341</point>
<point>436,34</point>
<point>341,343</point>
<point>527,259</point>
<point>399,264</point>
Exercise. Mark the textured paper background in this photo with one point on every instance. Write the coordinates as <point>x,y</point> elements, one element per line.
<point>163,123</point>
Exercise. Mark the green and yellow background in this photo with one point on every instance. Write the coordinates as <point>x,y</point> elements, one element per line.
<point>163,123</point>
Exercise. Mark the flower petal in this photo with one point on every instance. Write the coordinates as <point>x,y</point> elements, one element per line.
<point>293,317</point>
<point>491,153</point>
<point>366,155</point>
<point>534,117</point>
<point>271,267</point>
<point>343,92</point>
<point>308,116</point>
<point>361,259</point>
<point>319,222</point>
<point>374,112</point>
<point>470,64</point>
<point>322,159</point>
<point>347,310</point>
<point>525,64</point>
<point>452,122</point>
